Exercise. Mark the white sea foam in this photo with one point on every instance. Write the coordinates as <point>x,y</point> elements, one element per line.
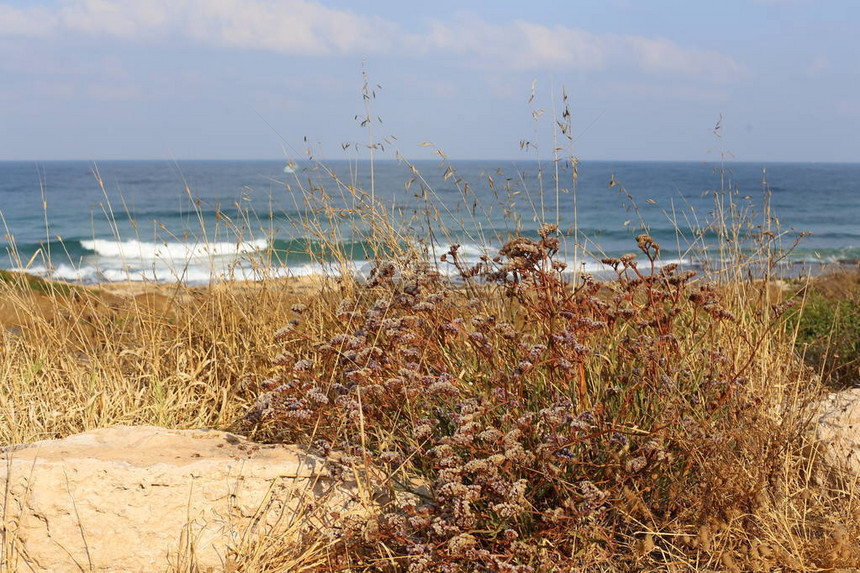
<point>143,251</point>
<point>586,265</point>
<point>203,264</point>
<point>63,272</point>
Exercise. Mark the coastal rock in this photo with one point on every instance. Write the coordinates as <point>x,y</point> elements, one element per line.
<point>837,433</point>
<point>151,499</point>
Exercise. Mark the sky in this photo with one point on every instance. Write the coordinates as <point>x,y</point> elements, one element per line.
<point>259,79</point>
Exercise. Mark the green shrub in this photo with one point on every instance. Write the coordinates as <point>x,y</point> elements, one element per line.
<point>828,334</point>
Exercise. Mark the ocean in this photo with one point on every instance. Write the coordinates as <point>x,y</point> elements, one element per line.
<point>203,221</point>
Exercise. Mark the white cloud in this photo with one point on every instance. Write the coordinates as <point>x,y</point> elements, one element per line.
<point>32,22</point>
<point>662,55</point>
<point>289,26</point>
<point>525,45</point>
<point>520,45</point>
<point>560,46</point>
<point>294,26</point>
<point>132,20</point>
<point>304,27</point>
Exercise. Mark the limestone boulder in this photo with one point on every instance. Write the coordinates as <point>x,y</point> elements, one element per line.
<point>154,499</point>
<point>837,433</point>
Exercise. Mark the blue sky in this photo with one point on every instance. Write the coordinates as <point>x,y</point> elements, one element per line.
<point>646,79</point>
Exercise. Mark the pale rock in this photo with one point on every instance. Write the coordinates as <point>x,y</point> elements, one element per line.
<point>152,499</point>
<point>837,433</point>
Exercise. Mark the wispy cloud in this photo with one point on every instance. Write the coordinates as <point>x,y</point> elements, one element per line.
<point>525,45</point>
<point>132,20</point>
<point>303,27</point>
<point>662,55</point>
<point>31,22</point>
<point>294,27</point>
<point>290,26</point>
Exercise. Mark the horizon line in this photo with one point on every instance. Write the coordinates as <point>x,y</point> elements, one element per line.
<point>433,159</point>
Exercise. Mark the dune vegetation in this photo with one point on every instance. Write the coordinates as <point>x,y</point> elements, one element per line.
<point>654,419</point>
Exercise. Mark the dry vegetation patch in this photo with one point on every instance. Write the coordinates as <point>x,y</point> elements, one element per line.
<point>651,421</point>
<point>77,358</point>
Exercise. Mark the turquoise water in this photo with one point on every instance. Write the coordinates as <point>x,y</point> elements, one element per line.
<point>199,220</point>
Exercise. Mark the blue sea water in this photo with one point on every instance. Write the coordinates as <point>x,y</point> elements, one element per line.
<point>198,221</point>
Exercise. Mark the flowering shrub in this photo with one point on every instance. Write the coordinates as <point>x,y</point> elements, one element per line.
<point>554,424</point>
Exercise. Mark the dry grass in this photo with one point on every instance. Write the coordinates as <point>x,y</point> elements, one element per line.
<point>76,358</point>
